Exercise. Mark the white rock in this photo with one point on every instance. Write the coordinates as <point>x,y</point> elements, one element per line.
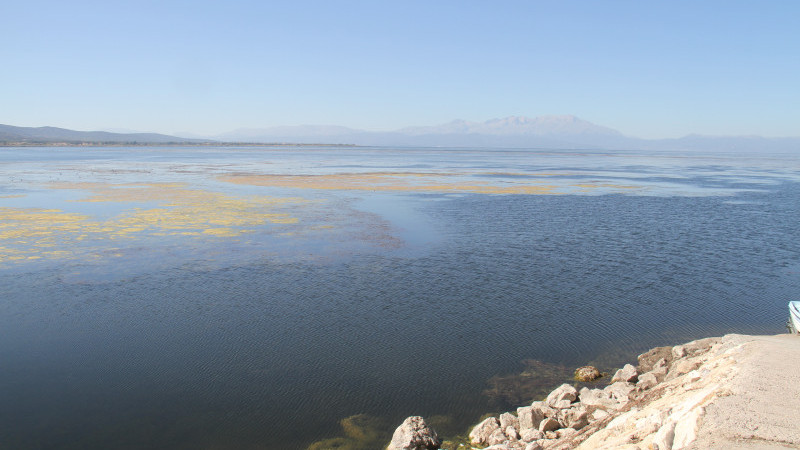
<point>650,423</point>
<point>619,391</point>
<point>529,418</point>
<point>480,434</point>
<point>414,434</point>
<point>540,408</point>
<point>646,381</point>
<point>566,432</point>
<point>562,404</point>
<point>597,397</point>
<point>627,374</point>
<point>563,392</point>
<point>497,437</point>
<point>509,420</point>
<point>693,376</point>
<point>686,428</point>
<point>664,437</point>
<point>511,433</point>
<point>534,446</point>
<point>600,414</point>
<point>549,424</point>
<point>505,446</point>
<point>576,418</point>
<point>660,372</point>
<point>530,435</point>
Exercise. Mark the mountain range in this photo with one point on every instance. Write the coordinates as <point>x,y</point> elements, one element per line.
<point>553,132</point>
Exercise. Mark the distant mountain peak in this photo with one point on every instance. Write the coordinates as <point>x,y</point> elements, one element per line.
<point>555,125</point>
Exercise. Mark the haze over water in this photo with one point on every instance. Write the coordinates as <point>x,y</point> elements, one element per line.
<point>255,297</point>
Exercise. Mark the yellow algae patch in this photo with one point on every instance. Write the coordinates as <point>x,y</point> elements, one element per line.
<point>33,233</point>
<point>222,232</point>
<point>26,232</point>
<point>186,211</point>
<point>13,196</point>
<point>388,181</point>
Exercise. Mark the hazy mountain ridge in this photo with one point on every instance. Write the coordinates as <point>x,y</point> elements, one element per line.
<point>545,131</point>
<point>549,132</point>
<point>552,131</point>
<point>516,125</point>
<point>13,134</point>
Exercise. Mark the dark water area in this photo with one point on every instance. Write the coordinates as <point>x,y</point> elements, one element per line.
<point>272,353</point>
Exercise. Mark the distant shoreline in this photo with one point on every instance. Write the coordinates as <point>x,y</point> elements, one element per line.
<point>168,144</point>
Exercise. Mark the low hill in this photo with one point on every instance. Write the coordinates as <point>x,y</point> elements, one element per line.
<point>52,135</point>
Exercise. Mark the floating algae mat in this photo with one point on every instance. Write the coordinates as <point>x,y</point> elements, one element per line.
<point>35,233</point>
<point>478,183</point>
<point>303,297</point>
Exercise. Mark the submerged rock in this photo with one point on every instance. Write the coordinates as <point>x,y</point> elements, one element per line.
<point>587,373</point>
<point>414,434</point>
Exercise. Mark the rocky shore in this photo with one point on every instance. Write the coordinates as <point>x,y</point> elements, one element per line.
<point>731,392</point>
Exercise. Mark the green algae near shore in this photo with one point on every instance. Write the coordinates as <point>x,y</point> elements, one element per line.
<point>361,432</point>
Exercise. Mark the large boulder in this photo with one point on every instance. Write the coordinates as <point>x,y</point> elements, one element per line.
<point>648,360</point>
<point>414,434</point>
<point>620,391</point>
<point>541,408</point>
<point>563,392</point>
<point>509,420</point>
<point>576,417</point>
<point>549,424</point>
<point>627,374</point>
<point>512,433</point>
<point>699,346</point>
<point>646,381</point>
<point>596,397</point>
<point>497,437</point>
<point>480,434</point>
<point>529,418</point>
<point>530,435</point>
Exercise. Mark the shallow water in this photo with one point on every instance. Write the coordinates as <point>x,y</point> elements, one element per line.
<point>212,304</point>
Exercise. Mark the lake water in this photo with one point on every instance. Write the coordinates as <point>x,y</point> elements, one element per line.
<point>277,298</point>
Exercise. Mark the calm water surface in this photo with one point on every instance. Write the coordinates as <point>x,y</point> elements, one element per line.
<point>146,301</point>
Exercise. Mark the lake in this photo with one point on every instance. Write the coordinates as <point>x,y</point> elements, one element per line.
<point>281,298</point>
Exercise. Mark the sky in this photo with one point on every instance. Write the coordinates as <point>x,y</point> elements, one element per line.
<point>648,69</point>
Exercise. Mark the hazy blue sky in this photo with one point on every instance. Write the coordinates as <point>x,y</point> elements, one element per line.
<point>648,69</point>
